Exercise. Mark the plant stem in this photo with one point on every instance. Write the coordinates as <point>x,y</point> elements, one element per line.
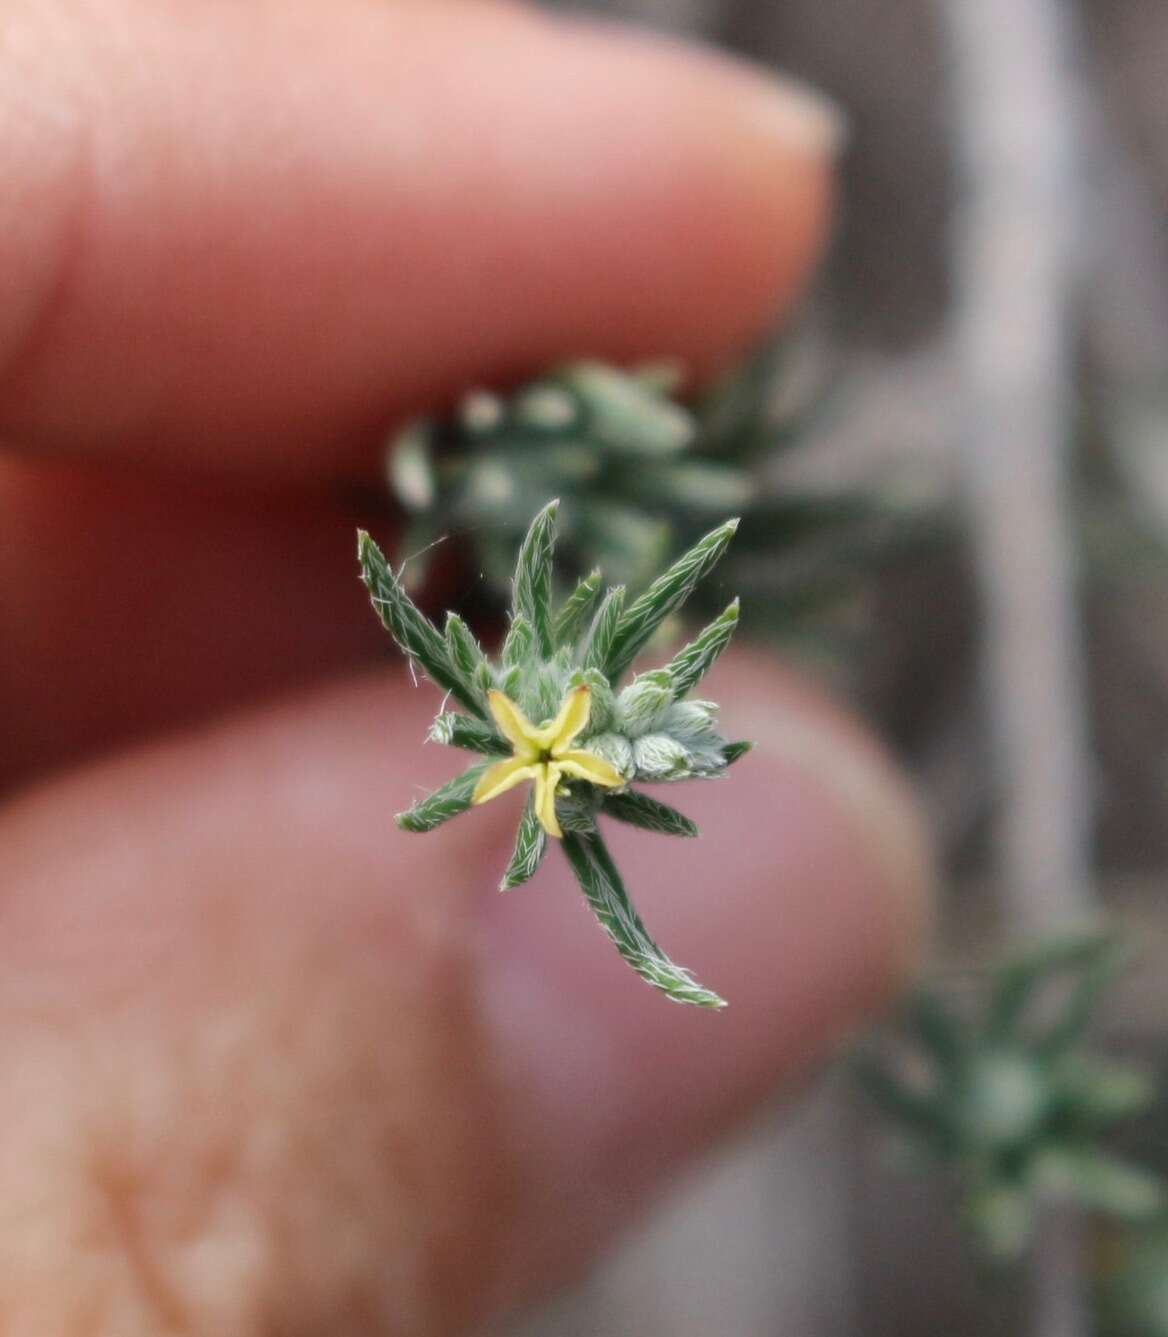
<point>1013,260</point>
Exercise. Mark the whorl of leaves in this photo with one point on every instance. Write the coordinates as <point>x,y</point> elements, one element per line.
<point>1006,1097</point>
<point>592,640</point>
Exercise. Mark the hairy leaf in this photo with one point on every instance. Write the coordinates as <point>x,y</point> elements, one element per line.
<point>690,665</point>
<point>578,608</point>
<point>443,804</point>
<point>532,590</point>
<point>733,752</point>
<point>606,894</point>
<point>604,628</point>
<point>649,813</point>
<point>664,596</point>
<point>530,847</point>
<point>519,644</point>
<point>465,653</point>
<point>410,628</point>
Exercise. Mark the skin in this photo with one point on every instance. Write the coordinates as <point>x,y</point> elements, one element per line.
<point>273,1067</point>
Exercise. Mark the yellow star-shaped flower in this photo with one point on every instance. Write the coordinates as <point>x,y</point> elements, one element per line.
<point>544,755</point>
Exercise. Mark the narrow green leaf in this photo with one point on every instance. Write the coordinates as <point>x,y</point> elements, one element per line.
<point>1070,1026</point>
<point>1100,1092</point>
<point>577,608</point>
<point>604,628</point>
<point>606,894</point>
<point>666,594</point>
<point>532,588</point>
<point>577,812</point>
<point>691,664</point>
<point>443,804</point>
<point>1021,978</point>
<point>484,679</point>
<point>733,752</point>
<point>417,636</point>
<point>464,651</point>
<point>530,847</point>
<point>640,810</point>
<point>456,730</point>
<point>519,643</point>
<point>1101,1181</point>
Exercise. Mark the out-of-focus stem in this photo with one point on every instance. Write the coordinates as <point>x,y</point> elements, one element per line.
<point>1015,121</point>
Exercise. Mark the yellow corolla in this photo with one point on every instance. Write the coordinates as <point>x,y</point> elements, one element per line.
<point>544,755</point>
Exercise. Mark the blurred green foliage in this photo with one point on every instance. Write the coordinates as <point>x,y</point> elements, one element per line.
<point>1132,1296</point>
<point>641,476</point>
<point>1006,1098</point>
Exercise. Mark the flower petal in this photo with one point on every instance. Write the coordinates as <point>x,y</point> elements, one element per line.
<point>574,712</point>
<point>588,766</point>
<point>514,725</point>
<point>547,781</point>
<point>500,777</point>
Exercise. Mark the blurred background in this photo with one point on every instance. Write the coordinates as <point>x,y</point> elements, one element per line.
<point>994,323</point>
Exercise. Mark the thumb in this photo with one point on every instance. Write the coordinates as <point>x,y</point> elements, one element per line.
<point>286,1068</point>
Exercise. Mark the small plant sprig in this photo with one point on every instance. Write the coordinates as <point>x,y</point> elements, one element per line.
<point>623,452</point>
<point>1009,1102</point>
<point>591,740</point>
<point>644,474</point>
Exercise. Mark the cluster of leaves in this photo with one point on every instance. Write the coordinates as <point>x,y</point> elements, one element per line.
<point>642,476</point>
<point>1008,1101</point>
<point>649,730</point>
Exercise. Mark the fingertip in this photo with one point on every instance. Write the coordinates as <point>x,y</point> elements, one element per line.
<point>266,271</point>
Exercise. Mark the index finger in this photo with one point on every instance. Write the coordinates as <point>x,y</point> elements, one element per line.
<point>252,234</point>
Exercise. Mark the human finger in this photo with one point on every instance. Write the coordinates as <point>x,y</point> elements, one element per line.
<point>251,235</point>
